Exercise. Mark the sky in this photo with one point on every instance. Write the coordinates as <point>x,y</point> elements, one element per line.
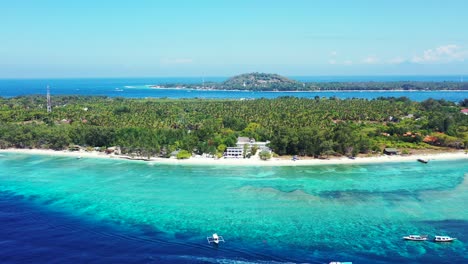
<point>89,38</point>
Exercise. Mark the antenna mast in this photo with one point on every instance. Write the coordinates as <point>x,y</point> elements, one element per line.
<point>49,104</point>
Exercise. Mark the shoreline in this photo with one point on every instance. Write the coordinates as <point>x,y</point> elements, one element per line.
<point>299,91</point>
<point>254,161</point>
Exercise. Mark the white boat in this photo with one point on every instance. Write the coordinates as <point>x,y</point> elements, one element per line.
<point>215,239</point>
<point>416,237</point>
<point>444,239</point>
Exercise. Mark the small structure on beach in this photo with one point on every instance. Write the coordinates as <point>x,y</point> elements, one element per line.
<point>110,150</point>
<point>391,151</point>
<point>74,148</point>
<point>174,154</point>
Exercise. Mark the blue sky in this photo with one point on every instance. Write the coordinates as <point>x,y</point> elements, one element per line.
<point>89,38</point>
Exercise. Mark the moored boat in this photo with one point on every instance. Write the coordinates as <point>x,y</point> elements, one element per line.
<point>416,237</point>
<point>444,239</point>
<point>215,239</point>
<point>423,160</point>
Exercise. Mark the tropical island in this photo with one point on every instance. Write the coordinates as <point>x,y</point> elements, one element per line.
<point>314,128</point>
<point>274,82</point>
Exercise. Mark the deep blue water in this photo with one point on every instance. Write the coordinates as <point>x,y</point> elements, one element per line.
<point>60,210</point>
<point>30,233</point>
<point>139,88</point>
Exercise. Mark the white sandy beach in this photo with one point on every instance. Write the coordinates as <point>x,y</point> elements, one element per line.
<point>254,161</point>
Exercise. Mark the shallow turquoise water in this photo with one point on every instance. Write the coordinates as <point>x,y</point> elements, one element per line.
<point>357,212</point>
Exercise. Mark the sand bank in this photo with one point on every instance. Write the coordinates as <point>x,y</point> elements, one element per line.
<point>254,161</point>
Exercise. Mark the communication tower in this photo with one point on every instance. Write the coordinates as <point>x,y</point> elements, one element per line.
<point>49,104</point>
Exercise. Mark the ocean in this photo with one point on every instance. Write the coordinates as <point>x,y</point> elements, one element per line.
<point>64,210</point>
<point>140,88</point>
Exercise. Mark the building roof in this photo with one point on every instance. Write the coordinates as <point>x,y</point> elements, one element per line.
<point>464,110</point>
<point>243,140</point>
<point>429,139</point>
<point>391,150</point>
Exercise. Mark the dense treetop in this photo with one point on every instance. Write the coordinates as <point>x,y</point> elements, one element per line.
<point>295,126</point>
<point>258,81</point>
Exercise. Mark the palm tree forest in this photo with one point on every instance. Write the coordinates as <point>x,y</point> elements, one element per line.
<point>294,126</point>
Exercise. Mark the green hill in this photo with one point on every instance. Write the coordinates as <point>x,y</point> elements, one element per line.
<point>260,81</point>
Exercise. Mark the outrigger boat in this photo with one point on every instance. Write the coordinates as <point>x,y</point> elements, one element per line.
<point>444,239</point>
<point>215,239</point>
<point>416,237</point>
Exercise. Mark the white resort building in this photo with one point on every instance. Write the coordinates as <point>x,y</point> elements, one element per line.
<point>234,152</point>
<point>247,144</point>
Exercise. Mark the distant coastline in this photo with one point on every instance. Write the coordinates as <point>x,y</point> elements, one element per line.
<point>299,91</point>
<point>397,89</point>
<point>273,82</point>
<point>175,88</point>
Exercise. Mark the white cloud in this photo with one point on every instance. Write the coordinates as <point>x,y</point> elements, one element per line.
<point>397,60</point>
<point>370,60</point>
<point>336,62</point>
<point>442,54</point>
<point>176,61</point>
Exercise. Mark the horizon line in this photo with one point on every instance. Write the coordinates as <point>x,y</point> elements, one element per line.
<point>225,76</point>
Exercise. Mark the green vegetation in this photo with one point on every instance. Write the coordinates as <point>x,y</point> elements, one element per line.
<point>294,126</point>
<point>401,85</point>
<point>274,82</point>
<point>258,81</point>
<point>183,154</point>
<point>265,155</point>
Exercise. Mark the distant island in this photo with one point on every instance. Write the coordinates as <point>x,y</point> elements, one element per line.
<point>273,82</point>
<point>260,81</point>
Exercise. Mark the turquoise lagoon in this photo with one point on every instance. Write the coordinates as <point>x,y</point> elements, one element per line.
<point>313,214</point>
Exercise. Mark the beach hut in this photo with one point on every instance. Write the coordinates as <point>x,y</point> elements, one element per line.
<point>74,148</point>
<point>174,153</point>
<point>115,150</point>
<point>390,151</point>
